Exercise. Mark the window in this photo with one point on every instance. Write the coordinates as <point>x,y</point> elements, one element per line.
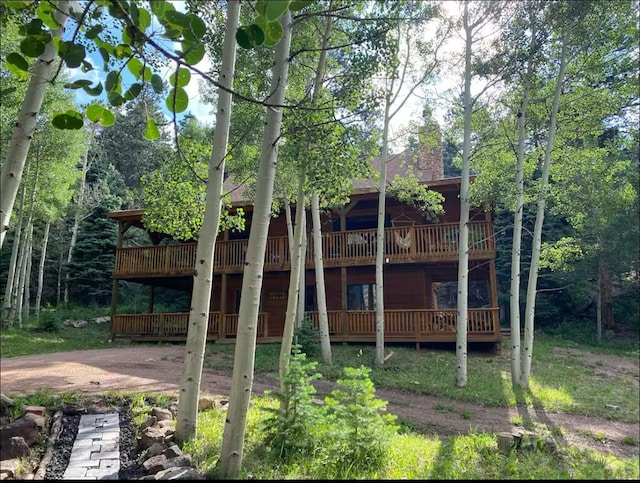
<point>445,294</point>
<point>361,297</point>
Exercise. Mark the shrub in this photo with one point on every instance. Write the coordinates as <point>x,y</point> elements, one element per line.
<point>288,429</point>
<point>49,320</point>
<point>306,336</point>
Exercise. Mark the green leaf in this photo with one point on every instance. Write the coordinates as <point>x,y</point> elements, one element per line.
<point>182,79</point>
<point>45,13</point>
<point>135,66</point>
<point>196,28</point>
<point>122,51</point>
<point>7,91</point>
<point>172,34</point>
<point>86,66</point>
<point>297,5</point>
<point>157,84</point>
<point>105,55</point>
<point>145,19</point>
<point>177,100</point>
<point>273,33</point>
<point>276,8</point>
<point>97,112</point>
<point>16,4</point>
<point>96,13</point>
<point>32,28</point>
<point>151,131</point>
<point>146,75</point>
<point>18,65</point>
<point>177,18</point>
<point>67,120</point>
<point>161,7</point>
<point>93,32</point>
<point>115,99</point>
<point>112,83</point>
<point>94,91</point>
<point>133,91</point>
<point>261,7</point>
<point>80,83</point>
<point>250,36</point>
<point>75,55</point>
<point>193,53</point>
<point>32,47</point>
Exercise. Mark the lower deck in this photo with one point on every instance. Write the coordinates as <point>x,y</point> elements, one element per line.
<point>418,325</point>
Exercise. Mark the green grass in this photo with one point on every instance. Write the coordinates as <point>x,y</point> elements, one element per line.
<point>558,384</point>
<point>411,456</point>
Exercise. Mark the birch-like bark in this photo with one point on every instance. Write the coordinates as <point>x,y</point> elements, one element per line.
<point>323,319</point>
<point>76,221</point>
<point>463,236</point>
<point>187,417</point>
<point>13,264</point>
<point>23,274</point>
<point>294,284</point>
<point>287,214</point>
<point>16,156</point>
<point>516,247</point>
<point>27,279</point>
<point>321,294</point>
<point>537,230</point>
<point>231,453</point>
<point>302,279</point>
<point>379,298</point>
<point>43,257</point>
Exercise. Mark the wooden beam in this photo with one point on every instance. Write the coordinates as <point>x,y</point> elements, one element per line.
<point>114,283</point>
<point>222,326</point>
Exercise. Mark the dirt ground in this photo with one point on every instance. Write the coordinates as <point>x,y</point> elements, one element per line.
<point>158,369</point>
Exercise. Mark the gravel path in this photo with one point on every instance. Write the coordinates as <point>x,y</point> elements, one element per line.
<point>158,369</point>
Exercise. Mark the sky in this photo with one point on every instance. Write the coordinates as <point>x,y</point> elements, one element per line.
<point>411,111</point>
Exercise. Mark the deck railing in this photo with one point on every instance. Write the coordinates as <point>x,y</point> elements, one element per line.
<point>357,247</point>
<point>354,325</point>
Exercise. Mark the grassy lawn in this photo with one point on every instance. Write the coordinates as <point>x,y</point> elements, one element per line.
<point>558,384</point>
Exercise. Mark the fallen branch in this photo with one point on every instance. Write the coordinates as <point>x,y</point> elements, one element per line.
<point>56,427</point>
<point>389,356</point>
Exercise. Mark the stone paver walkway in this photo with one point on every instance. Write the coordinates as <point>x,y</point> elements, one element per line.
<point>96,450</point>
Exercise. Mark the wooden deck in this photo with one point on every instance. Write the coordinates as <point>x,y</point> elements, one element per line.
<point>423,243</point>
<point>419,325</point>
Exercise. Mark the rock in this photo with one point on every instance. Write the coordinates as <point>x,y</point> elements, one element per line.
<point>150,436</point>
<point>8,468</point>
<point>5,401</point>
<point>174,409</point>
<point>38,410</point>
<point>162,414</point>
<point>36,418</point>
<point>102,320</point>
<point>184,460</point>
<point>166,423</point>
<point>24,427</point>
<point>179,473</point>
<point>155,464</point>
<point>150,421</point>
<point>168,440</point>
<point>79,323</point>
<point>16,448</point>
<point>156,449</point>
<point>505,442</point>
<point>172,451</point>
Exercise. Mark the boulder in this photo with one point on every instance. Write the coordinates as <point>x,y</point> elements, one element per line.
<point>102,320</point>
<point>149,436</point>
<point>25,427</point>
<point>162,414</point>
<point>8,468</point>
<point>36,418</point>
<point>155,464</point>
<point>38,410</point>
<point>172,451</point>
<point>150,421</point>
<point>16,448</point>
<point>79,323</point>
<point>179,473</point>
<point>156,449</point>
<point>166,423</point>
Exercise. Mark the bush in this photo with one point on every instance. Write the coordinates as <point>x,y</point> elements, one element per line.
<point>306,336</point>
<point>49,320</point>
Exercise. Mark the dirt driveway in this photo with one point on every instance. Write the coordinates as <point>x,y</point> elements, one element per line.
<point>158,369</point>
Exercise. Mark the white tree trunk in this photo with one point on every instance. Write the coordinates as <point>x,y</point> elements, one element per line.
<point>379,298</point>
<point>27,280</point>
<point>537,231</point>
<point>302,279</point>
<point>516,247</point>
<point>187,417</point>
<point>294,283</point>
<point>231,452</point>
<point>8,307</point>
<point>24,257</point>
<point>16,157</point>
<point>287,214</point>
<point>323,318</point>
<point>43,257</point>
<point>463,237</point>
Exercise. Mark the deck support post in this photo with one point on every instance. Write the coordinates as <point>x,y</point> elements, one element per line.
<point>222,326</point>
<point>152,296</point>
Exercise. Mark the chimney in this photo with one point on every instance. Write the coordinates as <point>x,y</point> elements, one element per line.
<point>429,160</point>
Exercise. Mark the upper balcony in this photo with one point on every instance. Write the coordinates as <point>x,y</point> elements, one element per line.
<point>418,243</point>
